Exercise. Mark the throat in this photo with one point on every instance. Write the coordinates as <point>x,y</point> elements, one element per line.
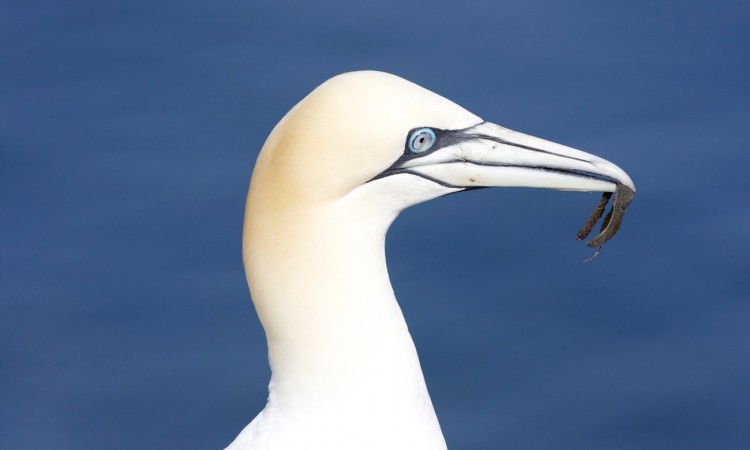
<point>342,336</point>
<point>339,348</point>
<point>368,360</point>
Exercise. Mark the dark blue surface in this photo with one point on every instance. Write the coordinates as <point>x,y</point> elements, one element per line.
<point>128,131</point>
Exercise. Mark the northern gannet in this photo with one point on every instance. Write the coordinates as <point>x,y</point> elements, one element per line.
<point>330,179</point>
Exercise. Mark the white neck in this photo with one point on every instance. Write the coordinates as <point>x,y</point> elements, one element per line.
<point>343,362</point>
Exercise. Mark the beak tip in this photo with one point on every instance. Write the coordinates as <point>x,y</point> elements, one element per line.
<point>615,172</point>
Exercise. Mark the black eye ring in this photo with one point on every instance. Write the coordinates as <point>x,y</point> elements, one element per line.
<point>421,140</point>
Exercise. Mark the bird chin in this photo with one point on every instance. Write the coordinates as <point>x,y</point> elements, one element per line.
<point>400,191</point>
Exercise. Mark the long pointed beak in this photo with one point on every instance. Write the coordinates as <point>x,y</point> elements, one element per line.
<point>488,155</point>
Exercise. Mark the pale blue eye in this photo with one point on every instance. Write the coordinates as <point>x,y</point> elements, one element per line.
<point>421,140</point>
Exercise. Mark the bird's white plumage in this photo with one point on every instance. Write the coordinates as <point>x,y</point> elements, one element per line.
<point>345,373</point>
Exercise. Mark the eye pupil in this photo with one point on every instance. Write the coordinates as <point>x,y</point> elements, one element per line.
<point>421,140</point>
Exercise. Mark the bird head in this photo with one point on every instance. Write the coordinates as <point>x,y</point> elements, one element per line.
<point>377,132</point>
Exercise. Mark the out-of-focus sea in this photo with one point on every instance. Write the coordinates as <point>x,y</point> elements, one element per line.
<point>128,132</point>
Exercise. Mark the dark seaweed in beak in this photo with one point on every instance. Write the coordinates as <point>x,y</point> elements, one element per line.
<point>612,221</point>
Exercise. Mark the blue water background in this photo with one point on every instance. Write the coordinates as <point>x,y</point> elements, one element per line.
<point>128,132</point>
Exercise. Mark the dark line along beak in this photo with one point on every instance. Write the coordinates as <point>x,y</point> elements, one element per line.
<point>488,155</point>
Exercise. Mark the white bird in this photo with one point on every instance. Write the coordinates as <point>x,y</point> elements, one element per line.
<point>332,176</point>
